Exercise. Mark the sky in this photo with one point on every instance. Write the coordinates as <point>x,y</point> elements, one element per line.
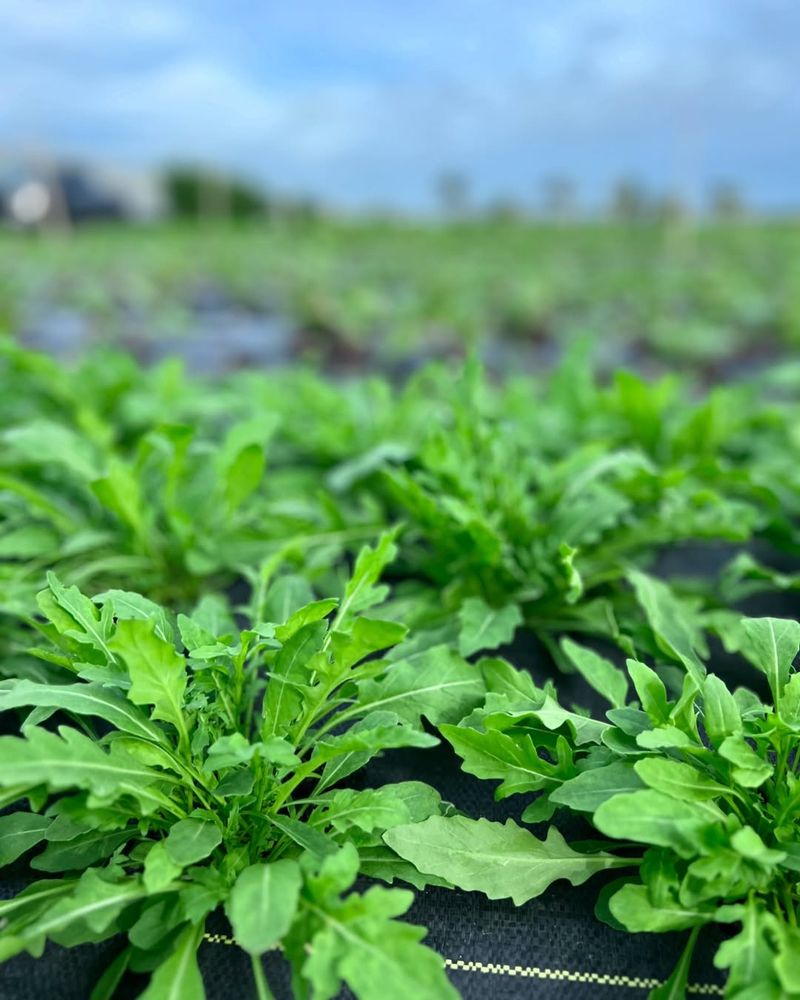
<point>363,103</point>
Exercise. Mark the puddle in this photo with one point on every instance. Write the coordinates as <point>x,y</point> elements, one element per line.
<point>222,340</point>
<point>64,333</point>
<point>218,339</point>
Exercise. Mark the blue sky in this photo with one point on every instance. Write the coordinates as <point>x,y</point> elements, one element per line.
<point>364,102</point>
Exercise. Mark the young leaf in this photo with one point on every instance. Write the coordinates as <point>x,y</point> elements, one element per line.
<point>515,760</point>
<point>157,672</point>
<point>92,628</point>
<point>378,957</point>
<point>599,673</point>
<point>681,781</point>
<point>632,908</point>
<point>749,769</point>
<point>191,840</point>
<point>361,591</point>
<point>749,955</point>
<point>721,716</point>
<point>587,791</point>
<point>128,604</point>
<point>263,903</point>
<point>654,818</point>
<point>80,852</point>
<point>159,869</point>
<point>773,646</point>
<point>290,668</point>
<point>178,978</point>
<point>244,474</point>
<point>651,691</point>
<point>483,627</point>
<point>675,633</point>
<point>367,810</point>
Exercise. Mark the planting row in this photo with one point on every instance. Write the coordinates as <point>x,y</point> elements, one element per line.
<point>386,295</point>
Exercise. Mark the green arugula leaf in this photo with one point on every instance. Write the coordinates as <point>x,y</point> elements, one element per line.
<point>18,833</point>
<point>362,590</point>
<point>88,910</point>
<point>500,860</point>
<point>82,621</point>
<point>157,672</point>
<point>77,854</point>
<point>587,791</point>
<point>633,908</point>
<point>72,760</point>
<point>367,810</point>
<point>749,955</point>
<point>356,940</point>
<point>80,699</point>
<point>178,978</point>
<point>676,634</point>
<point>191,840</point>
<point>608,680</point>
<point>262,904</point>
<point>243,475</point>
<point>774,643</point>
<point>654,818</point>
<point>681,781</point>
<point>127,604</point>
<point>721,716</point>
<point>483,627</point>
<point>439,684</point>
<point>513,759</point>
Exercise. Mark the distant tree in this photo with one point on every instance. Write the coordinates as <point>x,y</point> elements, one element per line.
<point>727,202</point>
<point>671,208</point>
<point>304,210</point>
<point>559,198</point>
<point>503,210</point>
<point>629,202</point>
<point>452,189</point>
<point>193,193</point>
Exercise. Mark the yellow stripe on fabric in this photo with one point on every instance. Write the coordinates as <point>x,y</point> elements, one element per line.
<point>535,972</point>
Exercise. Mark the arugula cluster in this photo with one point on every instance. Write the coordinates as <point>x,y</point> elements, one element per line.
<point>691,794</point>
<point>182,782</point>
<point>185,486</point>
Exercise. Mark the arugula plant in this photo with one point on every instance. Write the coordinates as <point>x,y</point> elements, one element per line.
<point>543,500</point>
<point>203,770</point>
<point>691,794</point>
<point>181,510</point>
<point>535,498</point>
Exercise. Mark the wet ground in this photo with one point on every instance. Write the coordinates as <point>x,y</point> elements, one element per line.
<point>213,333</point>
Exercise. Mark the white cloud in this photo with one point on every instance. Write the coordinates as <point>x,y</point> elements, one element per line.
<point>367,97</point>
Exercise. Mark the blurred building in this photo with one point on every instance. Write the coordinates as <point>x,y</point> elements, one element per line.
<point>38,192</point>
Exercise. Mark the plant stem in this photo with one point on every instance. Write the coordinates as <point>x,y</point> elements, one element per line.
<point>262,986</point>
<point>788,903</point>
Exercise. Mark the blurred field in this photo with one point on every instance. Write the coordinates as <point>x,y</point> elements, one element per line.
<point>387,296</point>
